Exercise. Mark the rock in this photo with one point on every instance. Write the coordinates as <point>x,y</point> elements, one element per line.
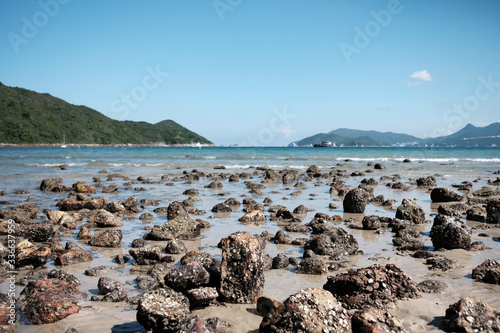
<point>49,184</point>
<point>201,297</point>
<point>428,181</point>
<point>493,211</point>
<point>242,268</point>
<point>288,178</point>
<point>441,263</point>
<point>115,296</point>
<point>193,324</point>
<point>309,310</point>
<point>314,266</point>
<point>146,282</point>
<point>146,255</point>
<point>267,306</point>
<point>355,201</point>
<point>432,286</point>
<point>440,194</point>
<point>221,208</point>
<point>470,314</point>
<point>281,261</point>
<point>379,166</point>
<point>203,258</point>
<point>146,217</point>
<point>27,253</point>
<point>334,242</point>
<point>98,270</point>
<point>139,242</point>
<point>282,237</point>
<point>185,277</point>
<point>476,214</point>
<point>131,204</point>
<point>83,187</point>
<point>488,271</point>
<point>111,289</point>
<point>255,216</point>
<point>92,204</point>
<point>50,300</point>
<point>84,234</point>
<point>162,310</point>
<point>181,228</point>
<point>108,238</point>
<point>377,320</point>
<point>408,210</point>
<point>374,285</point>
<point>105,219</point>
<point>115,207</point>
<point>175,246</point>
<point>371,222</point>
<point>176,209</point>
<point>36,232</point>
<point>71,257</point>
<point>448,233</point>
<point>272,176</point>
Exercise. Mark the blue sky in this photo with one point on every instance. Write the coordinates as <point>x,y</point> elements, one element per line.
<point>262,72</point>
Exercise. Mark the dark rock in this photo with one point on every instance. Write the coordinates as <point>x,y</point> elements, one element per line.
<point>314,266</point>
<point>27,254</point>
<point>121,259</point>
<point>428,181</point>
<point>146,282</point>
<point>115,296</point>
<point>217,184</point>
<point>201,297</point>
<point>221,208</point>
<point>488,271</point>
<point>84,234</point>
<point>193,324</point>
<point>448,233</point>
<point>49,184</point>
<point>50,300</point>
<point>449,211</point>
<point>162,310</point>
<point>408,210</point>
<point>440,194</point>
<point>282,237</point>
<point>441,263</point>
<point>288,178</point>
<point>175,246</point>
<point>203,258</point>
<point>476,214</point>
<point>377,320</point>
<point>309,310</point>
<point>176,209</point>
<point>146,217</point>
<point>375,285</point>
<point>107,285</point>
<point>242,268</point>
<point>355,201</point>
<point>131,204</point>
<point>371,222</point>
<point>493,211</point>
<point>92,204</point>
<point>109,238</point>
<point>36,232</point>
<point>98,270</point>
<point>478,246</point>
<point>471,315</point>
<point>281,261</point>
<point>379,166</point>
<point>333,242</point>
<point>146,255</point>
<point>189,276</point>
<point>71,257</point>
<point>272,176</point>
<point>139,242</point>
<point>83,187</point>
<point>115,207</point>
<point>267,306</point>
<point>432,286</point>
<point>254,216</point>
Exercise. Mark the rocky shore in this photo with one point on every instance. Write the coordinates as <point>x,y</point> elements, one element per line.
<point>252,250</point>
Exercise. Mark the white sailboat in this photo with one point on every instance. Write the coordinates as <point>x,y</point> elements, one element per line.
<point>63,145</point>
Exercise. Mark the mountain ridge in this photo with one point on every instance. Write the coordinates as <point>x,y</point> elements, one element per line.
<point>29,117</point>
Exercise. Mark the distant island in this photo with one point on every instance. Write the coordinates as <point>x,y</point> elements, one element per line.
<point>32,118</point>
<point>469,136</point>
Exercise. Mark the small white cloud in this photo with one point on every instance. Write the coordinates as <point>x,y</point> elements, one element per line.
<point>413,83</point>
<point>287,131</point>
<point>422,75</point>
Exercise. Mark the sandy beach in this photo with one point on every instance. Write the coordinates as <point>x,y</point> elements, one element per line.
<point>162,187</point>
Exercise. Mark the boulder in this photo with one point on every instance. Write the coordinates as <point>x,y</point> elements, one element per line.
<point>476,214</point>
<point>108,238</point>
<point>470,314</point>
<point>449,233</point>
<point>374,285</point>
<point>242,268</point>
<point>201,297</point>
<point>185,277</point>
<point>221,208</point>
<point>428,181</point>
<point>355,200</point>
<point>440,194</point>
<point>27,253</point>
<point>181,228</point>
<point>408,210</point>
<point>111,289</point>
<point>71,257</point>
<point>175,246</point>
<point>146,282</point>
<point>313,266</point>
<point>83,187</point>
<point>288,178</point>
<point>98,270</point>
<point>281,261</point>
<point>309,310</point>
<point>432,286</point>
<point>162,310</point>
<point>105,219</point>
<point>146,255</point>
<point>50,300</point>
<point>493,211</point>
<point>176,209</point>
<point>36,232</point>
<point>255,216</point>
<point>49,184</point>
<point>334,242</point>
<point>371,222</point>
<point>374,320</point>
<point>272,176</point>
<point>488,271</point>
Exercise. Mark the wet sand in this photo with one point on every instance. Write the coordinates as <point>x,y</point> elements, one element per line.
<point>424,314</point>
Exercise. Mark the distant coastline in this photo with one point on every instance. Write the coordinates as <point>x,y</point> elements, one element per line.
<point>79,145</point>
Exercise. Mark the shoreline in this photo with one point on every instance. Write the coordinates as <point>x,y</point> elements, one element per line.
<point>100,145</point>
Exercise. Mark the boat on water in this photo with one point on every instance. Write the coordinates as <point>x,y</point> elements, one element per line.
<point>323,144</point>
<point>63,145</point>
<point>196,145</point>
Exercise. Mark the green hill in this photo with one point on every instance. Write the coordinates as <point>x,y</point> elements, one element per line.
<point>29,117</point>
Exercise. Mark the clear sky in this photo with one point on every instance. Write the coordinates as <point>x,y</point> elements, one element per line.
<point>262,72</point>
